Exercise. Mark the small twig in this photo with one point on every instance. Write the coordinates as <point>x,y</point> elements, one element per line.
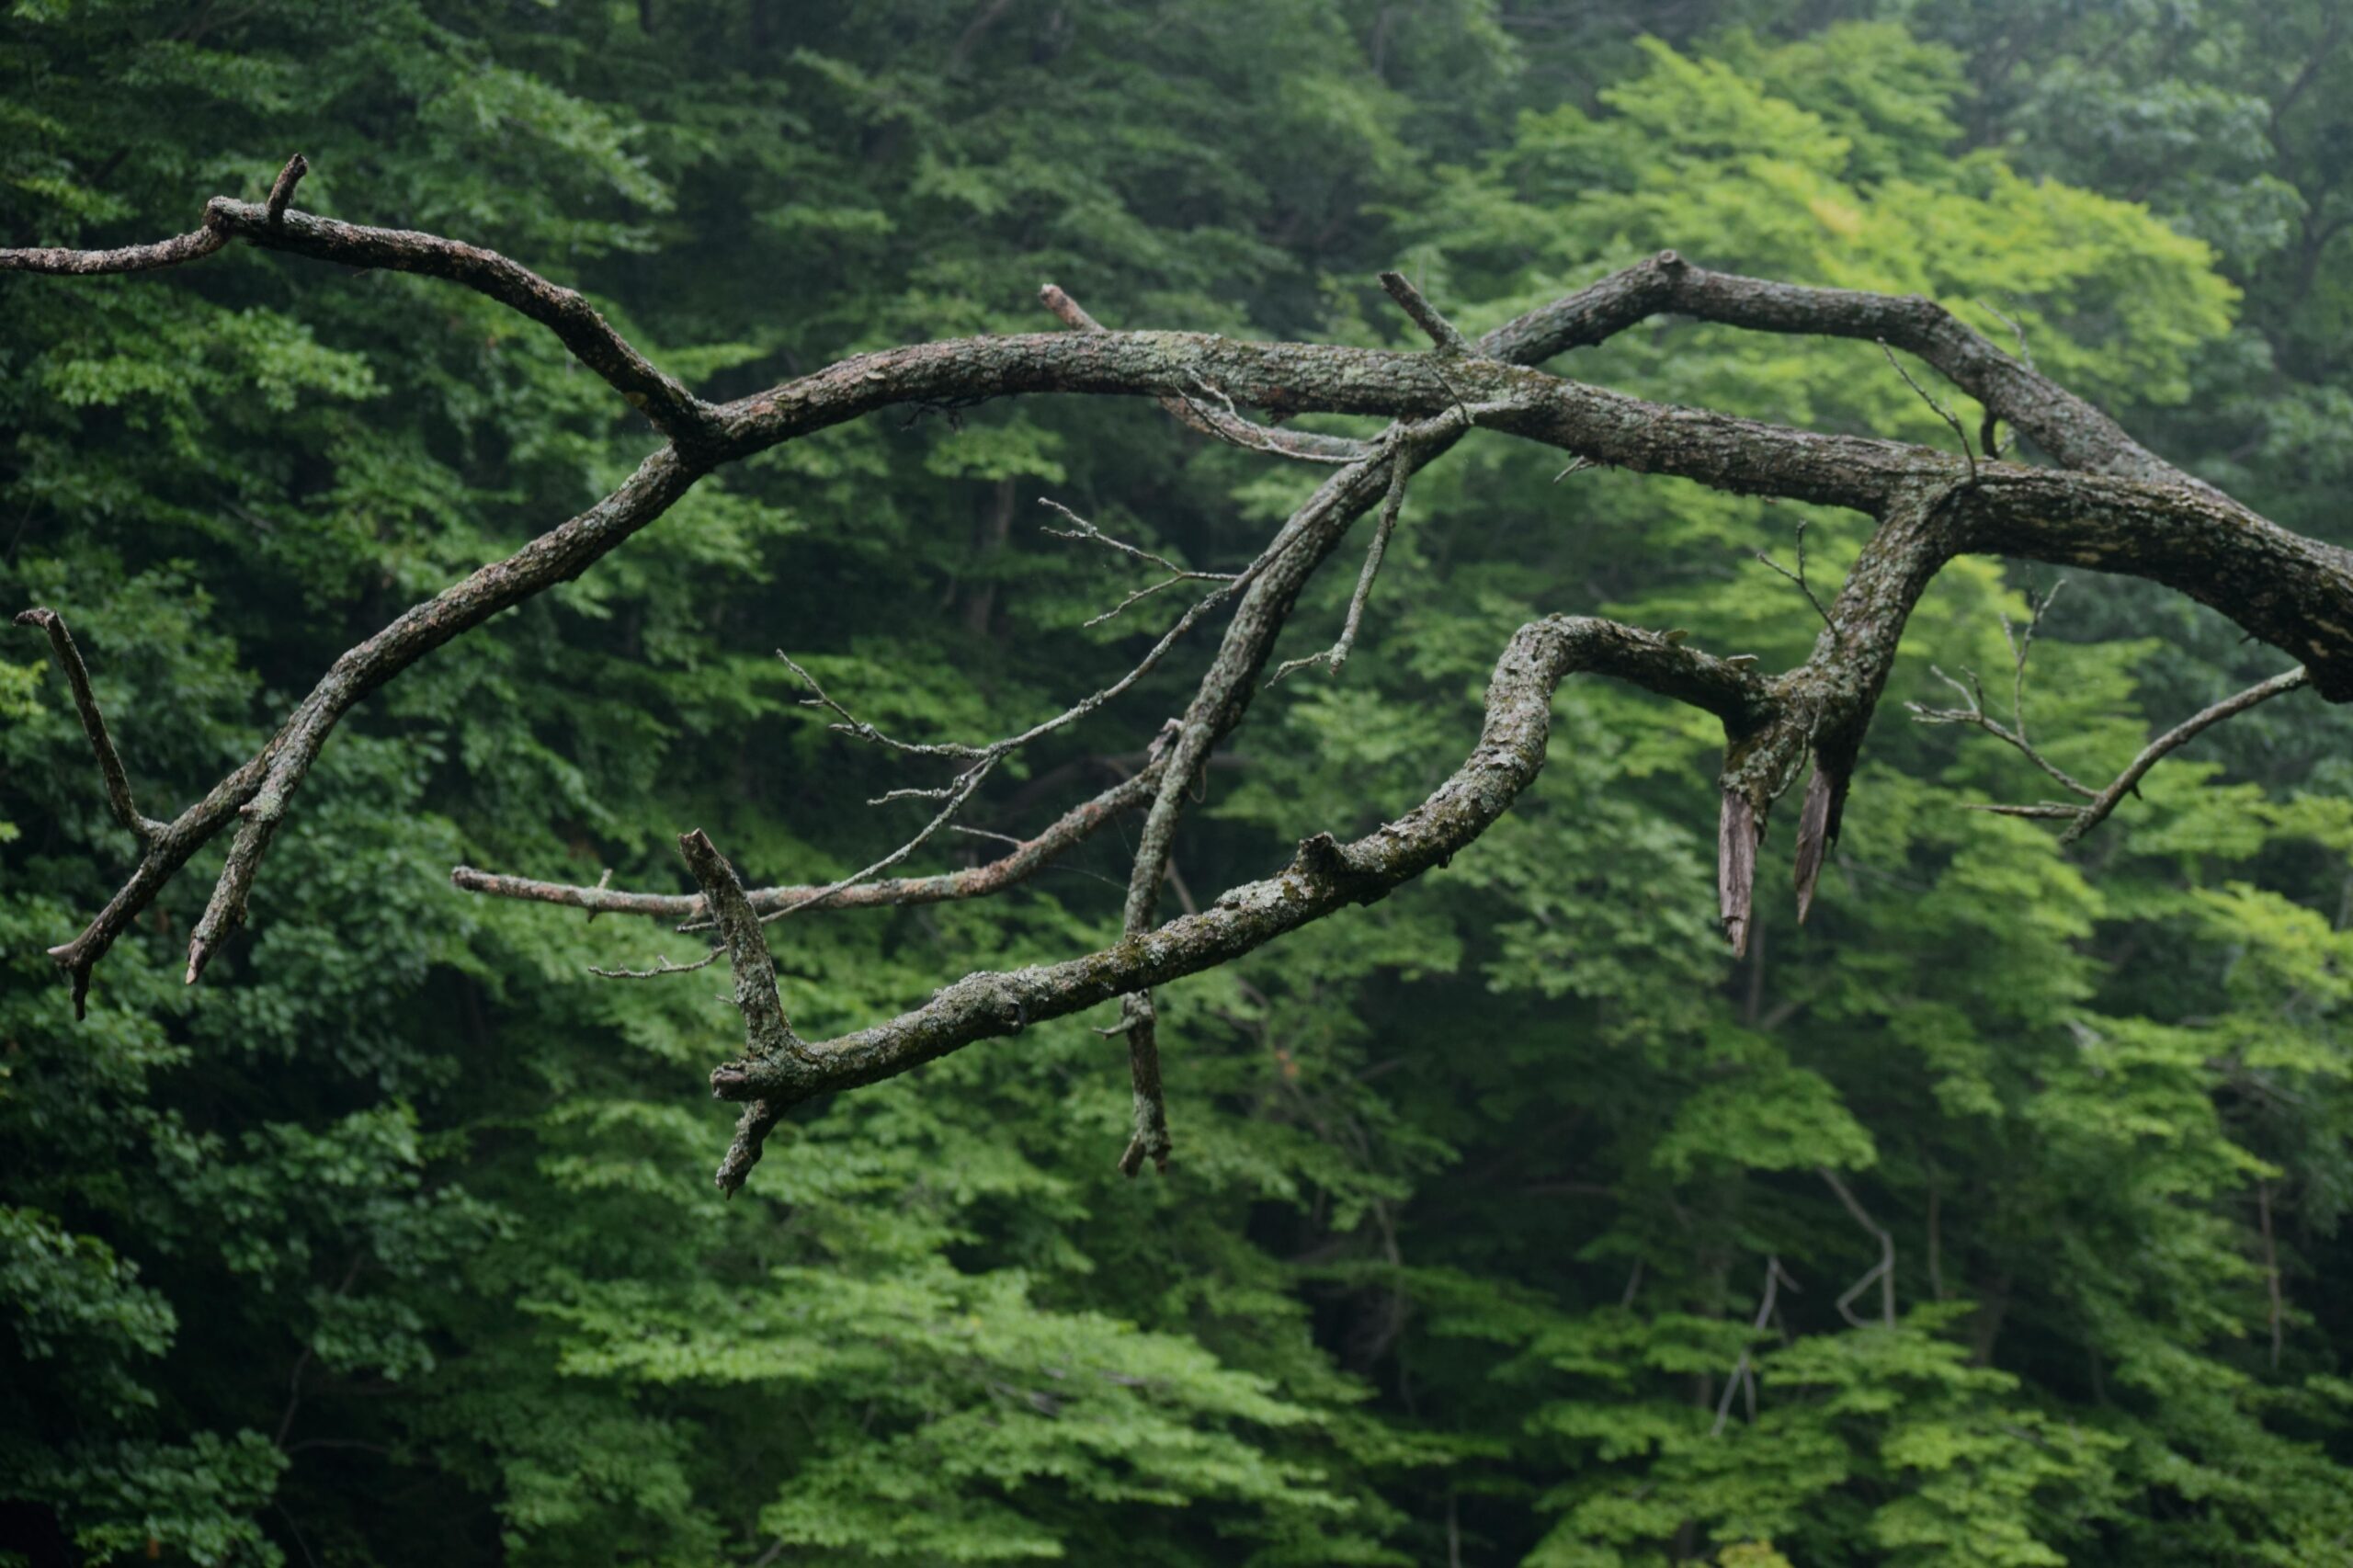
<point>1884,1270</point>
<point>1336,656</point>
<point>2026,354</point>
<point>1081,529</point>
<point>966,783</point>
<point>94,724</point>
<point>661,966</point>
<point>1144,593</point>
<point>2099,804</point>
<point>2021,644</point>
<point>1975,716</point>
<point>852,724</point>
<point>1805,588</point>
<point>1443,333</point>
<point>1960,432</point>
<point>1988,428</point>
<point>1742,1373</point>
<point>1231,426</point>
<point>281,191</point>
<point>1087,532</point>
<point>2092,815</point>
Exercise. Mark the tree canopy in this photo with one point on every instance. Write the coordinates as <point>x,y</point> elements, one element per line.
<point>1992,1217</point>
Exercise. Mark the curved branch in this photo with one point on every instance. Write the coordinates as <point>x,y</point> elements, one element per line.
<point>2075,433</point>
<point>1325,876</point>
<point>560,554</point>
<point>2120,509</point>
<point>671,408</point>
<point>1229,426</point>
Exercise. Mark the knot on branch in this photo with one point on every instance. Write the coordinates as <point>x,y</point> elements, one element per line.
<point>1326,863</point>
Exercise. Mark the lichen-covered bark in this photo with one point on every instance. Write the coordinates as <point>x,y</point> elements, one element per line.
<point>1324,875</point>
<point>2107,504</point>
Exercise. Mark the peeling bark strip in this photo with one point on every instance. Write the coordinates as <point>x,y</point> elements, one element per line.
<point>2109,505</point>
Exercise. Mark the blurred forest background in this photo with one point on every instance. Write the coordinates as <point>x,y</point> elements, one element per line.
<point>395,1243</point>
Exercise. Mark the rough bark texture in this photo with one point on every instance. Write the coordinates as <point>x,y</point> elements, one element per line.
<point>2103,502</point>
<point>1322,877</point>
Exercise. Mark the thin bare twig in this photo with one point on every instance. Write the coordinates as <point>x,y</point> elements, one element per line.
<point>961,792</point>
<point>852,724</point>
<point>1080,528</point>
<point>1073,827</point>
<point>2099,804</point>
<point>1960,431</point>
<point>2107,801</point>
<point>1798,578</point>
<point>1229,426</point>
<point>1884,1270</point>
<point>1744,1371</point>
<point>1336,657</point>
<point>662,967</point>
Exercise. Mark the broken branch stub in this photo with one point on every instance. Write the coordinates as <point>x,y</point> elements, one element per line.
<point>2105,502</point>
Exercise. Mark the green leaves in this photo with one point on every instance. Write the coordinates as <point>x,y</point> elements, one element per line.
<point>395,1243</point>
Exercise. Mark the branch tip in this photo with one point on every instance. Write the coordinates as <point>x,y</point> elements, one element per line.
<point>1443,334</point>
<point>281,191</point>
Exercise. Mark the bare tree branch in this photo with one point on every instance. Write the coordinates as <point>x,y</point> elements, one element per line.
<point>281,190</point>
<point>2110,506</point>
<point>2081,819</point>
<point>1029,857</point>
<point>128,259</point>
<point>1884,1270</point>
<point>1743,1373</point>
<point>673,410</point>
<point>1336,656</point>
<point>1960,432</point>
<point>94,724</point>
<point>1323,876</point>
<point>1227,425</point>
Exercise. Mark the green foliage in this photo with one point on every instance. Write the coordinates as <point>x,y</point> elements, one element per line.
<point>395,1243</point>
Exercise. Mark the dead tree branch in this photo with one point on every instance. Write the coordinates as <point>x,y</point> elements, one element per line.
<point>1744,1371</point>
<point>1029,857</point>
<point>1884,1270</point>
<point>94,724</point>
<point>2108,505</point>
<point>1443,334</point>
<point>2081,819</point>
<point>1227,425</point>
<point>2097,804</point>
<point>1322,878</point>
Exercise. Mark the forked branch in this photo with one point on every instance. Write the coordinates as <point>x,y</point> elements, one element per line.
<point>2108,505</point>
<point>2097,804</point>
